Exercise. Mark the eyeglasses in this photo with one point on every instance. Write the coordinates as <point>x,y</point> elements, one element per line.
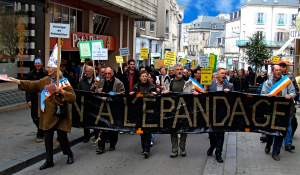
<point>107,73</point>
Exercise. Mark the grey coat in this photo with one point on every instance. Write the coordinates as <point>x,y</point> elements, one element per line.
<point>118,87</point>
<point>213,86</point>
<point>188,86</point>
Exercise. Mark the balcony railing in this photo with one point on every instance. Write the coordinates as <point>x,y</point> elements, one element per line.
<point>268,43</point>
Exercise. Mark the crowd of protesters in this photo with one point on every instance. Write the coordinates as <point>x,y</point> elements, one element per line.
<point>131,80</point>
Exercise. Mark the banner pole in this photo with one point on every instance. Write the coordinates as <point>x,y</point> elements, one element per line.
<point>121,68</point>
<point>94,68</point>
<point>58,62</point>
<point>82,71</point>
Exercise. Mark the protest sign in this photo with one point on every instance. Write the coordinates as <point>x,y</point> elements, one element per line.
<point>275,59</point>
<point>182,112</point>
<point>119,59</point>
<point>144,53</point>
<point>170,58</point>
<point>58,30</point>
<point>212,61</point>
<point>183,61</point>
<point>98,50</point>
<point>158,63</point>
<point>206,76</point>
<point>124,51</point>
<point>203,59</point>
<point>85,49</point>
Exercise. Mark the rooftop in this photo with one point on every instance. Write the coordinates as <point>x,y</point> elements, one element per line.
<point>294,3</point>
<point>208,22</point>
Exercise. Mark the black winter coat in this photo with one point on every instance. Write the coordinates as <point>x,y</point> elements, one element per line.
<point>240,85</point>
<point>125,79</point>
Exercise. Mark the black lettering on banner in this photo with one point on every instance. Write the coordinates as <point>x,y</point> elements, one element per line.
<point>208,112</point>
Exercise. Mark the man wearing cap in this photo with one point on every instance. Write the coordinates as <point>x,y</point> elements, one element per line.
<point>63,67</point>
<point>32,99</point>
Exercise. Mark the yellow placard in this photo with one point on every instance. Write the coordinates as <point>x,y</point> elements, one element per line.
<point>193,62</point>
<point>170,58</point>
<point>144,53</point>
<point>119,59</point>
<point>275,59</point>
<point>206,76</point>
<point>82,60</point>
<point>193,66</point>
<point>183,61</point>
<point>211,61</point>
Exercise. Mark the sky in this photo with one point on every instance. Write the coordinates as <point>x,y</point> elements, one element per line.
<point>208,7</point>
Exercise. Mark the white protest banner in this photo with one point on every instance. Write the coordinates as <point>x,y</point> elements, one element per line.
<point>203,59</point>
<point>102,54</point>
<point>58,30</point>
<point>98,52</point>
<point>124,51</point>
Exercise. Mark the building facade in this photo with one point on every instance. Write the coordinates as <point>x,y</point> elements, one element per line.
<point>272,19</point>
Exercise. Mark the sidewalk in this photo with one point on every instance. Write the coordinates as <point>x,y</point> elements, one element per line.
<point>244,154</point>
<point>18,148</point>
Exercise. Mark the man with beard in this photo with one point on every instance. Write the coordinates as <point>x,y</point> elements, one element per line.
<point>109,85</point>
<point>217,138</point>
<point>32,99</point>
<point>178,84</point>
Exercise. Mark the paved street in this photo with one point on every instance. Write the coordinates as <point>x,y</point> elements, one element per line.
<point>243,153</point>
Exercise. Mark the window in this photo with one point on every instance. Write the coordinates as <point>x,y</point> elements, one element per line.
<point>279,36</point>
<point>66,15</point>
<point>213,26</point>
<point>196,37</point>
<point>100,24</point>
<point>203,37</point>
<point>167,21</point>
<point>293,18</point>
<point>196,48</point>
<point>280,19</point>
<point>219,41</point>
<point>152,26</point>
<point>260,34</point>
<point>260,18</point>
<point>142,24</point>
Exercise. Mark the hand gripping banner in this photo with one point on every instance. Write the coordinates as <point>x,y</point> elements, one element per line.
<point>182,112</point>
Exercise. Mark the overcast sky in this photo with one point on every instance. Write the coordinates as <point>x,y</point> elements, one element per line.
<point>208,7</point>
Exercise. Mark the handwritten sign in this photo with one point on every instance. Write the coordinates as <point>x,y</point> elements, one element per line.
<point>183,61</point>
<point>206,76</point>
<point>119,59</point>
<point>158,63</point>
<point>58,30</point>
<point>203,59</point>
<point>84,49</point>
<point>170,58</point>
<point>124,51</point>
<point>275,59</point>
<point>144,53</point>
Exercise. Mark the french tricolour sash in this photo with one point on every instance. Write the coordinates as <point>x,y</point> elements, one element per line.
<point>45,94</point>
<point>197,85</point>
<point>281,84</point>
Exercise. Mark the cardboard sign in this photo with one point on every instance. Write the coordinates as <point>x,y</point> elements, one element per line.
<point>98,51</point>
<point>58,30</point>
<point>203,59</point>
<point>144,53</point>
<point>212,61</point>
<point>206,76</point>
<point>275,59</point>
<point>119,59</point>
<point>170,58</point>
<point>85,49</point>
<point>124,51</point>
<point>158,63</point>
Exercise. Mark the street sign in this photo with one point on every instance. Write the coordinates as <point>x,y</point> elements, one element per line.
<point>229,61</point>
<point>203,59</point>
<point>58,30</point>
<point>206,76</point>
<point>294,33</point>
<point>144,53</point>
<point>235,62</point>
<point>124,51</point>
